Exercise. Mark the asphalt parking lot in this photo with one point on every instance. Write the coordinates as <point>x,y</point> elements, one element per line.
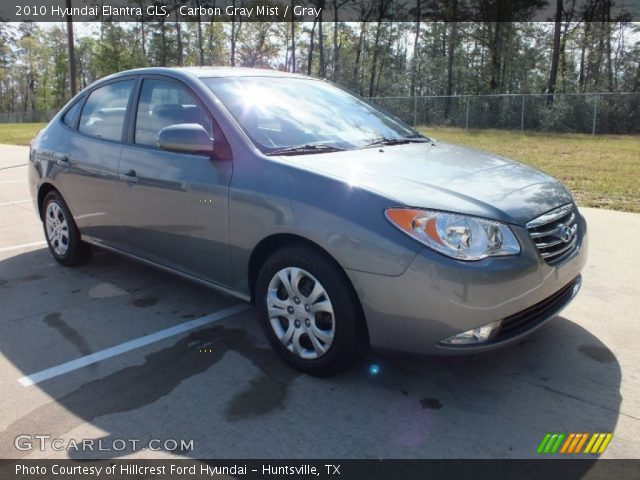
<point>176,361</point>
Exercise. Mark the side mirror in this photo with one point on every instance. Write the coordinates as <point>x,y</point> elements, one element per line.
<point>186,138</point>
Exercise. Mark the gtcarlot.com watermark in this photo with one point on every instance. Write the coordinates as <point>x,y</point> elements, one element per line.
<point>44,442</point>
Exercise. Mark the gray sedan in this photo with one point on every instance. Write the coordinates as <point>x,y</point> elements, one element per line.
<point>346,227</point>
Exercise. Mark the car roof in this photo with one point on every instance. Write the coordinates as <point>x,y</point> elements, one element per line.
<point>190,74</point>
<point>203,72</point>
<point>208,72</point>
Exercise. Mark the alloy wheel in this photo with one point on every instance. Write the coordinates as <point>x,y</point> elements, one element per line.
<point>301,313</point>
<point>57,228</point>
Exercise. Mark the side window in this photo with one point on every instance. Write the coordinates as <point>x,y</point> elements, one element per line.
<point>105,110</point>
<point>163,103</point>
<point>69,118</point>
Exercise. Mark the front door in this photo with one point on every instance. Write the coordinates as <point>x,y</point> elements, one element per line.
<point>174,206</point>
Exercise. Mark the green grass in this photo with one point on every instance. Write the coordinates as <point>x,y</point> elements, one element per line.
<point>601,171</point>
<point>19,133</point>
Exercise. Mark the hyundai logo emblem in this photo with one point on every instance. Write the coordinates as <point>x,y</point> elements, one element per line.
<point>566,233</point>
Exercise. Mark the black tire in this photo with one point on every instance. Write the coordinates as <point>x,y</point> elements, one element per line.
<point>77,252</point>
<point>347,325</point>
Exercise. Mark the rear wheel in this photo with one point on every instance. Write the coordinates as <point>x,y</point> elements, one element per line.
<point>307,310</point>
<point>61,232</point>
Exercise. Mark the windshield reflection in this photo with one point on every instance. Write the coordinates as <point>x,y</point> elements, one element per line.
<point>296,115</point>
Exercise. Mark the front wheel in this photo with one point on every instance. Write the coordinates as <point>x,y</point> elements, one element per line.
<point>308,311</point>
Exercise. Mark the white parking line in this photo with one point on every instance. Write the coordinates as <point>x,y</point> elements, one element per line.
<point>128,346</point>
<point>22,245</point>
<point>16,202</point>
<point>19,180</point>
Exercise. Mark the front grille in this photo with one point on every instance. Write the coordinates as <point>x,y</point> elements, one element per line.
<point>555,233</point>
<point>514,324</point>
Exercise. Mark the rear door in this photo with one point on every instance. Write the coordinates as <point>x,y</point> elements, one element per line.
<point>88,175</point>
<point>174,205</point>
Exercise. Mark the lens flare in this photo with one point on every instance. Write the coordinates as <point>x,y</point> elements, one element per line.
<point>374,369</point>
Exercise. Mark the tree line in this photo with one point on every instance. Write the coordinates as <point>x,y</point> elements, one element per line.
<point>582,49</point>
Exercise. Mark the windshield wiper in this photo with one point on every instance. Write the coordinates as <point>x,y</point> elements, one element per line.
<point>302,149</point>
<point>395,141</point>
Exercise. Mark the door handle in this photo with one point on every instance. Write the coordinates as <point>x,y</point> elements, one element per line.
<point>63,161</point>
<point>129,177</point>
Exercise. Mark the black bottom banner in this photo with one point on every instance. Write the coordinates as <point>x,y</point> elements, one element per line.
<point>180,469</point>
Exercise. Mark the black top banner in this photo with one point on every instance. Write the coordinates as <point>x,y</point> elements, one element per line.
<point>317,10</point>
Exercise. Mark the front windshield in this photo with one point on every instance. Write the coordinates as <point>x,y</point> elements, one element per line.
<point>286,114</point>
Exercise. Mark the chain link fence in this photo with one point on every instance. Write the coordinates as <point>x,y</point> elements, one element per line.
<point>569,112</point>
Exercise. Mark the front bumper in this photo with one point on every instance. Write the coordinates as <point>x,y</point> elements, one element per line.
<point>438,297</point>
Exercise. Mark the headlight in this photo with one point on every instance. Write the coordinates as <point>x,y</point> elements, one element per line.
<point>457,236</point>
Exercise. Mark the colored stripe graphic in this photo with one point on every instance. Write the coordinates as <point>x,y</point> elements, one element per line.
<point>572,443</point>
<point>567,443</point>
<point>606,441</point>
<point>543,443</point>
<point>598,443</point>
<point>593,439</point>
<point>550,443</point>
<point>596,446</point>
<point>581,443</point>
<point>556,445</point>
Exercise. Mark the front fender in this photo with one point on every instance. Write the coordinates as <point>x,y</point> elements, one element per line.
<point>269,197</point>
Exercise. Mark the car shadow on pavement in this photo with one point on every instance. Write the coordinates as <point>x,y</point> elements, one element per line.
<point>239,400</point>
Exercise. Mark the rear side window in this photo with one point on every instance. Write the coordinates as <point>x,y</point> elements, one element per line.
<point>69,118</point>
<point>163,103</point>
<point>104,112</point>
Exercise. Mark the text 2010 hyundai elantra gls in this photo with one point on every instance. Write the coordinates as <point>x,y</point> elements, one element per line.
<point>345,226</point>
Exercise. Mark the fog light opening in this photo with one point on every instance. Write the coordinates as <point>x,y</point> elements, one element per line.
<point>474,336</point>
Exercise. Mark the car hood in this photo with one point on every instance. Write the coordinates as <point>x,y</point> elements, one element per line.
<point>444,177</point>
